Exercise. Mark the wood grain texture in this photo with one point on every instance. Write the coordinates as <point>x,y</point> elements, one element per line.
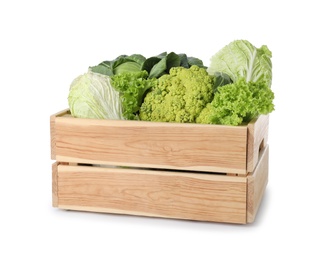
<point>257,182</point>
<point>257,139</point>
<point>189,194</point>
<point>169,194</point>
<point>53,118</point>
<point>53,136</point>
<point>55,184</point>
<point>154,145</point>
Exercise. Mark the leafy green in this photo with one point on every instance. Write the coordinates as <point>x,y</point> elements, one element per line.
<point>172,87</point>
<point>92,96</point>
<point>240,59</point>
<point>183,60</point>
<point>238,102</point>
<point>161,64</point>
<point>221,79</point>
<point>132,87</point>
<point>159,68</point>
<point>150,63</point>
<point>156,66</point>
<point>195,61</point>
<point>122,63</point>
<point>134,75</point>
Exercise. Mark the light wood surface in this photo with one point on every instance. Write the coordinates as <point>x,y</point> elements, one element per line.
<point>172,168</point>
<point>53,118</point>
<point>206,197</point>
<point>168,194</point>
<point>257,182</point>
<point>192,147</point>
<point>55,184</point>
<point>257,139</point>
<point>53,136</point>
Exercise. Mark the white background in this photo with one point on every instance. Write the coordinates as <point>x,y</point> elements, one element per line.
<point>45,44</point>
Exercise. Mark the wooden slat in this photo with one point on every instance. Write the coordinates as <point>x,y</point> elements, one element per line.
<point>205,197</point>
<point>257,182</point>
<point>53,136</point>
<point>53,131</point>
<point>154,145</point>
<point>55,184</point>
<point>257,139</point>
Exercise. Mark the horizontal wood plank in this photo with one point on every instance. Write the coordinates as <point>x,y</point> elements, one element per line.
<point>205,197</point>
<point>154,145</point>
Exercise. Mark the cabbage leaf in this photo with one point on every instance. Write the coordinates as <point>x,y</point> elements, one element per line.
<point>121,64</point>
<point>92,96</point>
<point>240,59</point>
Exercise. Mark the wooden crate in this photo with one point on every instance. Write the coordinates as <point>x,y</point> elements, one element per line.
<point>171,170</point>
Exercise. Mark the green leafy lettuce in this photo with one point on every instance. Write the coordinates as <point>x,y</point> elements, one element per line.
<point>238,103</point>
<point>132,87</point>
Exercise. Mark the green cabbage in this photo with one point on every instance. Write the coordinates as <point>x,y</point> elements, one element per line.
<point>121,64</point>
<point>156,66</point>
<point>240,59</point>
<point>92,96</point>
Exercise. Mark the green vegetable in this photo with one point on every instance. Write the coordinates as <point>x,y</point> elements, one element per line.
<point>132,88</point>
<point>221,79</point>
<point>164,62</point>
<point>240,59</point>
<point>238,102</point>
<point>92,96</point>
<point>159,65</point>
<point>173,87</point>
<point>156,66</point>
<point>179,96</point>
<point>121,64</point>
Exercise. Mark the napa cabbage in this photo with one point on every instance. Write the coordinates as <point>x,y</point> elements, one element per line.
<point>241,59</point>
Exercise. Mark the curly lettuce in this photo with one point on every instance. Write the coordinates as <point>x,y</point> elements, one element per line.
<point>132,87</point>
<point>238,103</point>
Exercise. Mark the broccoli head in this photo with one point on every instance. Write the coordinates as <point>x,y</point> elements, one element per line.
<point>179,96</point>
<point>238,103</point>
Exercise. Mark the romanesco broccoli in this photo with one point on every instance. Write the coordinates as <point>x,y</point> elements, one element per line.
<point>179,96</point>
